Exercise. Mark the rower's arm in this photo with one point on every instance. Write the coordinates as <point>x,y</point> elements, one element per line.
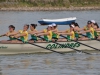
<point>6,34</point>
<point>41,34</point>
<point>62,31</point>
<point>55,30</point>
<point>65,33</point>
<point>79,32</point>
<point>24,34</point>
<point>98,29</point>
<point>2,35</point>
<point>86,31</point>
<point>33,32</point>
<point>15,33</point>
<point>81,29</point>
<point>38,32</point>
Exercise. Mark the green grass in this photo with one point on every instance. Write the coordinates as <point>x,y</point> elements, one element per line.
<point>49,3</point>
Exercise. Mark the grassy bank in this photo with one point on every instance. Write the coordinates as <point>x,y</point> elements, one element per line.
<point>48,3</point>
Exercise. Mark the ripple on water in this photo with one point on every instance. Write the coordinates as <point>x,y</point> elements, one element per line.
<point>50,64</point>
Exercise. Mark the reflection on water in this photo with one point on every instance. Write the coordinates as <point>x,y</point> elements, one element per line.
<point>50,64</point>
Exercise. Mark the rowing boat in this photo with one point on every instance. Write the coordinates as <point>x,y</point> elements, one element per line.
<point>28,48</point>
<point>64,21</point>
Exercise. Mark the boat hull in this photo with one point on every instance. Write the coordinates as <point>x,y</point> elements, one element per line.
<point>64,21</point>
<point>28,48</point>
<point>58,23</point>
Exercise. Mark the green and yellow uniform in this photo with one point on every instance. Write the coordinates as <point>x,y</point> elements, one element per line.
<point>95,34</point>
<point>86,28</point>
<point>70,37</point>
<point>33,37</point>
<point>24,38</point>
<point>48,38</point>
<point>76,34</point>
<point>98,33</point>
<point>11,37</point>
<point>55,36</point>
<point>90,35</point>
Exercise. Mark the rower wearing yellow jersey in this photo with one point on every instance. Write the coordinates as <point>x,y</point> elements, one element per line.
<point>89,31</point>
<point>70,34</point>
<point>32,32</point>
<point>55,36</point>
<point>11,38</point>
<point>77,31</point>
<point>47,33</point>
<point>22,34</point>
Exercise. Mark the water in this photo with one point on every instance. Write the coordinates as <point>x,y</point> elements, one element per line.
<point>50,64</point>
<point>47,64</point>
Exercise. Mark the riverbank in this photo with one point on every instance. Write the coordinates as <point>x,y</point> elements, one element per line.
<point>49,5</point>
<point>49,8</point>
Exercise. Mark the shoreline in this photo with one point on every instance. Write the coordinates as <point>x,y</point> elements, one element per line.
<point>49,8</point>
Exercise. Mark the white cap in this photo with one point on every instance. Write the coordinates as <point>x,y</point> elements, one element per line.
<point>93,21</point>
<point>53,24</point>
<point>50,25</point>
<point>72,26</point>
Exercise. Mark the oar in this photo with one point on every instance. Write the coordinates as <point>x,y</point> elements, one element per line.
<point>82,44</point>
<point>42,47</point>
<point>63,45</point>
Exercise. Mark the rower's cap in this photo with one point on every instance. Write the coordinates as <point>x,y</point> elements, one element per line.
<point>53,24</point>
<point>72,25</point>
<point>50,25</point>
<point>93,21</point>
<point>89,22</point>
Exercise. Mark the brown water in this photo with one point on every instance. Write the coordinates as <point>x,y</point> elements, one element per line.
<point>47,64</point>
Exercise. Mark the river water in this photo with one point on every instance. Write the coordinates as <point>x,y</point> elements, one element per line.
<point>47,64</point>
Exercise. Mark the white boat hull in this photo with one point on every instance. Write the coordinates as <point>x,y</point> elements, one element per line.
<point>60,20</point>
<point>28,48</point>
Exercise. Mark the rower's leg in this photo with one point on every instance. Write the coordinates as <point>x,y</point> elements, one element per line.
<point>61,40</point>
<point>84,39</point>
<point>98,38</point>
<point>40,40</point>
<point>5,41</point>
<point>15,41</point>
<point>31,41</point>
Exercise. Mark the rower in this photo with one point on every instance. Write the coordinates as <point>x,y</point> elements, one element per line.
<point>22,34</point>
<point>77,30</point>
<point>47,33</point>
<point>54,32</point>
<point>11,38</point>
<point>96,33</point>
<point>70,33</point>
<point>32,32</point>
<point>93,23</point>
<point>89,32</point>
